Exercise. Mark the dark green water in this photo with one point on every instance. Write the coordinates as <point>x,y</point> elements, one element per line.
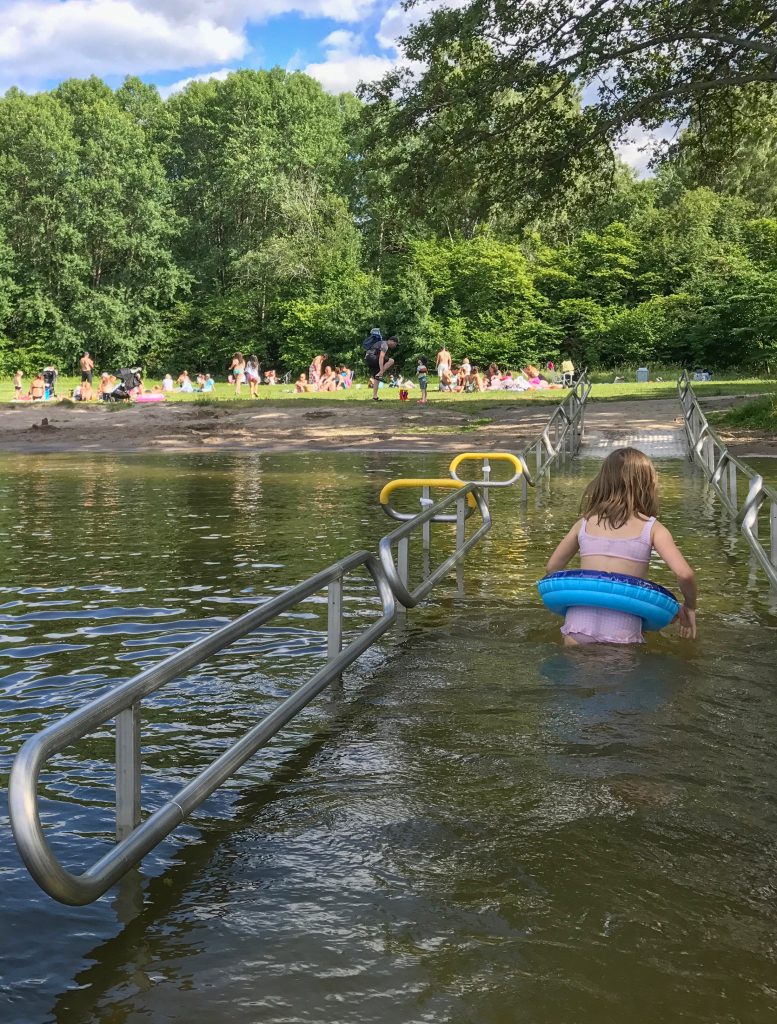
<point>477,827</point>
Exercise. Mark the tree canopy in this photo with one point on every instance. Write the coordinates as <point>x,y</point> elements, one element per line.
<point>261,214</point>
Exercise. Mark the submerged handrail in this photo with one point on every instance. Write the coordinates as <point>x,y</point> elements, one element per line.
<point>567,424</point>
<point>425,483</point>
<point>136,838</point>
<point>721,469</point>
<point>398,572</point>
<point>123,703</point>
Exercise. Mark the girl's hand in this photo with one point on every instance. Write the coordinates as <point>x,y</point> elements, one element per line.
<point>687,618</point>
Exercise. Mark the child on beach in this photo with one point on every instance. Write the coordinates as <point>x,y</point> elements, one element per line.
<point>422,370</point>
<point>617,533</point>
<point>17,384</point>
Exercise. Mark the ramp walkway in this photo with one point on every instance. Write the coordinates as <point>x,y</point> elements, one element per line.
<point>389,575</point>
<point>655,427</point>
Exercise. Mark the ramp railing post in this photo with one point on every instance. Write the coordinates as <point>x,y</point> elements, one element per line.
<point>732,484</point>
<point>461,518</point>
<point>426,529</point>
<point>127,771</point>
<point>334,622</point>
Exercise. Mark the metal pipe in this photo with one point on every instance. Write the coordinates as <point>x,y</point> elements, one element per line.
<point>127,771</point>
<point>722,469</point>
<point>334,638</point>
<point>77,890</point>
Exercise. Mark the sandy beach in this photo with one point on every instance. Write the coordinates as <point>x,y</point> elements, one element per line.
<point>287,426</point>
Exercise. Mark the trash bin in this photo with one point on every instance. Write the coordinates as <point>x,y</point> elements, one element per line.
<point>643,375</point>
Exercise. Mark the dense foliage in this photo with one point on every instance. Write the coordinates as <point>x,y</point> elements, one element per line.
<point>261,214</point>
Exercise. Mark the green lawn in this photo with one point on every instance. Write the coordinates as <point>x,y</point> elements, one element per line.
<point>600,392</point>
<point>760,414</point>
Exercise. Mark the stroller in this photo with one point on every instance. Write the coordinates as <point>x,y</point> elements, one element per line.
<point>49,382</point>
<point>129,379</point>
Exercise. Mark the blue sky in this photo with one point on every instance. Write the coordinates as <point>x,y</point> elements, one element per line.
<point>168,42</point>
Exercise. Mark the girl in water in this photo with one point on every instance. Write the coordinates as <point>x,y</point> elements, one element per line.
<point>617,533</point>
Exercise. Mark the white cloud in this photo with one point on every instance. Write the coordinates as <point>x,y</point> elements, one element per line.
<point>80,37</point>
<point>50,39</point>
<point>346,64</point>
<point>639,147</point>
<point>343,73</point>
<point>206,76</point>
<point>342,43</point>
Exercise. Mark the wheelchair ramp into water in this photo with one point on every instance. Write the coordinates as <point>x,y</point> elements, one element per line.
<point>654,427</point>
<point>657,444</point>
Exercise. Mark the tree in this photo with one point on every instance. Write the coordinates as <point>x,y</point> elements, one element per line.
<point>484,79</point>
<point>272,249</point>
<point>484,303</point>
<point>730,146</point>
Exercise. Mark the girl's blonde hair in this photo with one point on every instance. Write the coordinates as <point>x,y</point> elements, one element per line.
<point>625,486</point>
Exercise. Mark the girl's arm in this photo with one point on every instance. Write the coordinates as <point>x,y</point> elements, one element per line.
<point>566,550</point>
<point>664,544</point>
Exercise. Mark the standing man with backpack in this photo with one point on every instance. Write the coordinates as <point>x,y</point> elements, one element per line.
<point>376,350</point>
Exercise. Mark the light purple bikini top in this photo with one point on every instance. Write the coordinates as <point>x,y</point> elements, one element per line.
<point>634,549</point>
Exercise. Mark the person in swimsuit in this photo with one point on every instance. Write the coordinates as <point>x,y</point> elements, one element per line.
<point>37,388</point>
<point>253,375</point>
<point>237,371</point>
<point>87,367</point>
<point>315,369</point>
<point>18,377</point>
<point>617,533</point>
<point>443,362</point>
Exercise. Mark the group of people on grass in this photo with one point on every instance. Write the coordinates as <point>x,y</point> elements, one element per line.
<point>464,378</point>
<point>322,377</point>
<point>248,370</point>
<point>43,386</point>
<point>469,378</point>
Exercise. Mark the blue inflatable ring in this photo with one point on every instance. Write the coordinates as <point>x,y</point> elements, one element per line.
<point>575,588</point>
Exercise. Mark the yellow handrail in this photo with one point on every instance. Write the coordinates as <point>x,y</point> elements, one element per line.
<point>406,483</point>
<point>514,461</point>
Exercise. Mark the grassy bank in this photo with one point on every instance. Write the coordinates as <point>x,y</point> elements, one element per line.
<point>760,414</point>
<point>601,392</point>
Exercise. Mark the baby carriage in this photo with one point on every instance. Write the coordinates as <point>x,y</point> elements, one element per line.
<point>49,382</point>
<point>129,379</point>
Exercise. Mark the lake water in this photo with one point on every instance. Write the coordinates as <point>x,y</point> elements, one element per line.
<point>478,826</point>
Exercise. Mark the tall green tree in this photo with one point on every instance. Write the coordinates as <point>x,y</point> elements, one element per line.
<point>273,251</point>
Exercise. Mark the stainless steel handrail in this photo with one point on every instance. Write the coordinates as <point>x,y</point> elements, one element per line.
<point>398,572</point>
<point>722,470</point>
<point>123,704</point>
<point>135,838</point>
<point>567,424</point>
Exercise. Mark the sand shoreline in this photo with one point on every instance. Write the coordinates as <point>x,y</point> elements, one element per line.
<point>289,427</point>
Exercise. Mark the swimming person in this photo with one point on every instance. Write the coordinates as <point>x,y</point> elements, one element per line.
<point>617,533</point>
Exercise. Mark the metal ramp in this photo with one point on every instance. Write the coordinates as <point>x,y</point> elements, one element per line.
<point>136,834</point>
<point>668,443</point>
